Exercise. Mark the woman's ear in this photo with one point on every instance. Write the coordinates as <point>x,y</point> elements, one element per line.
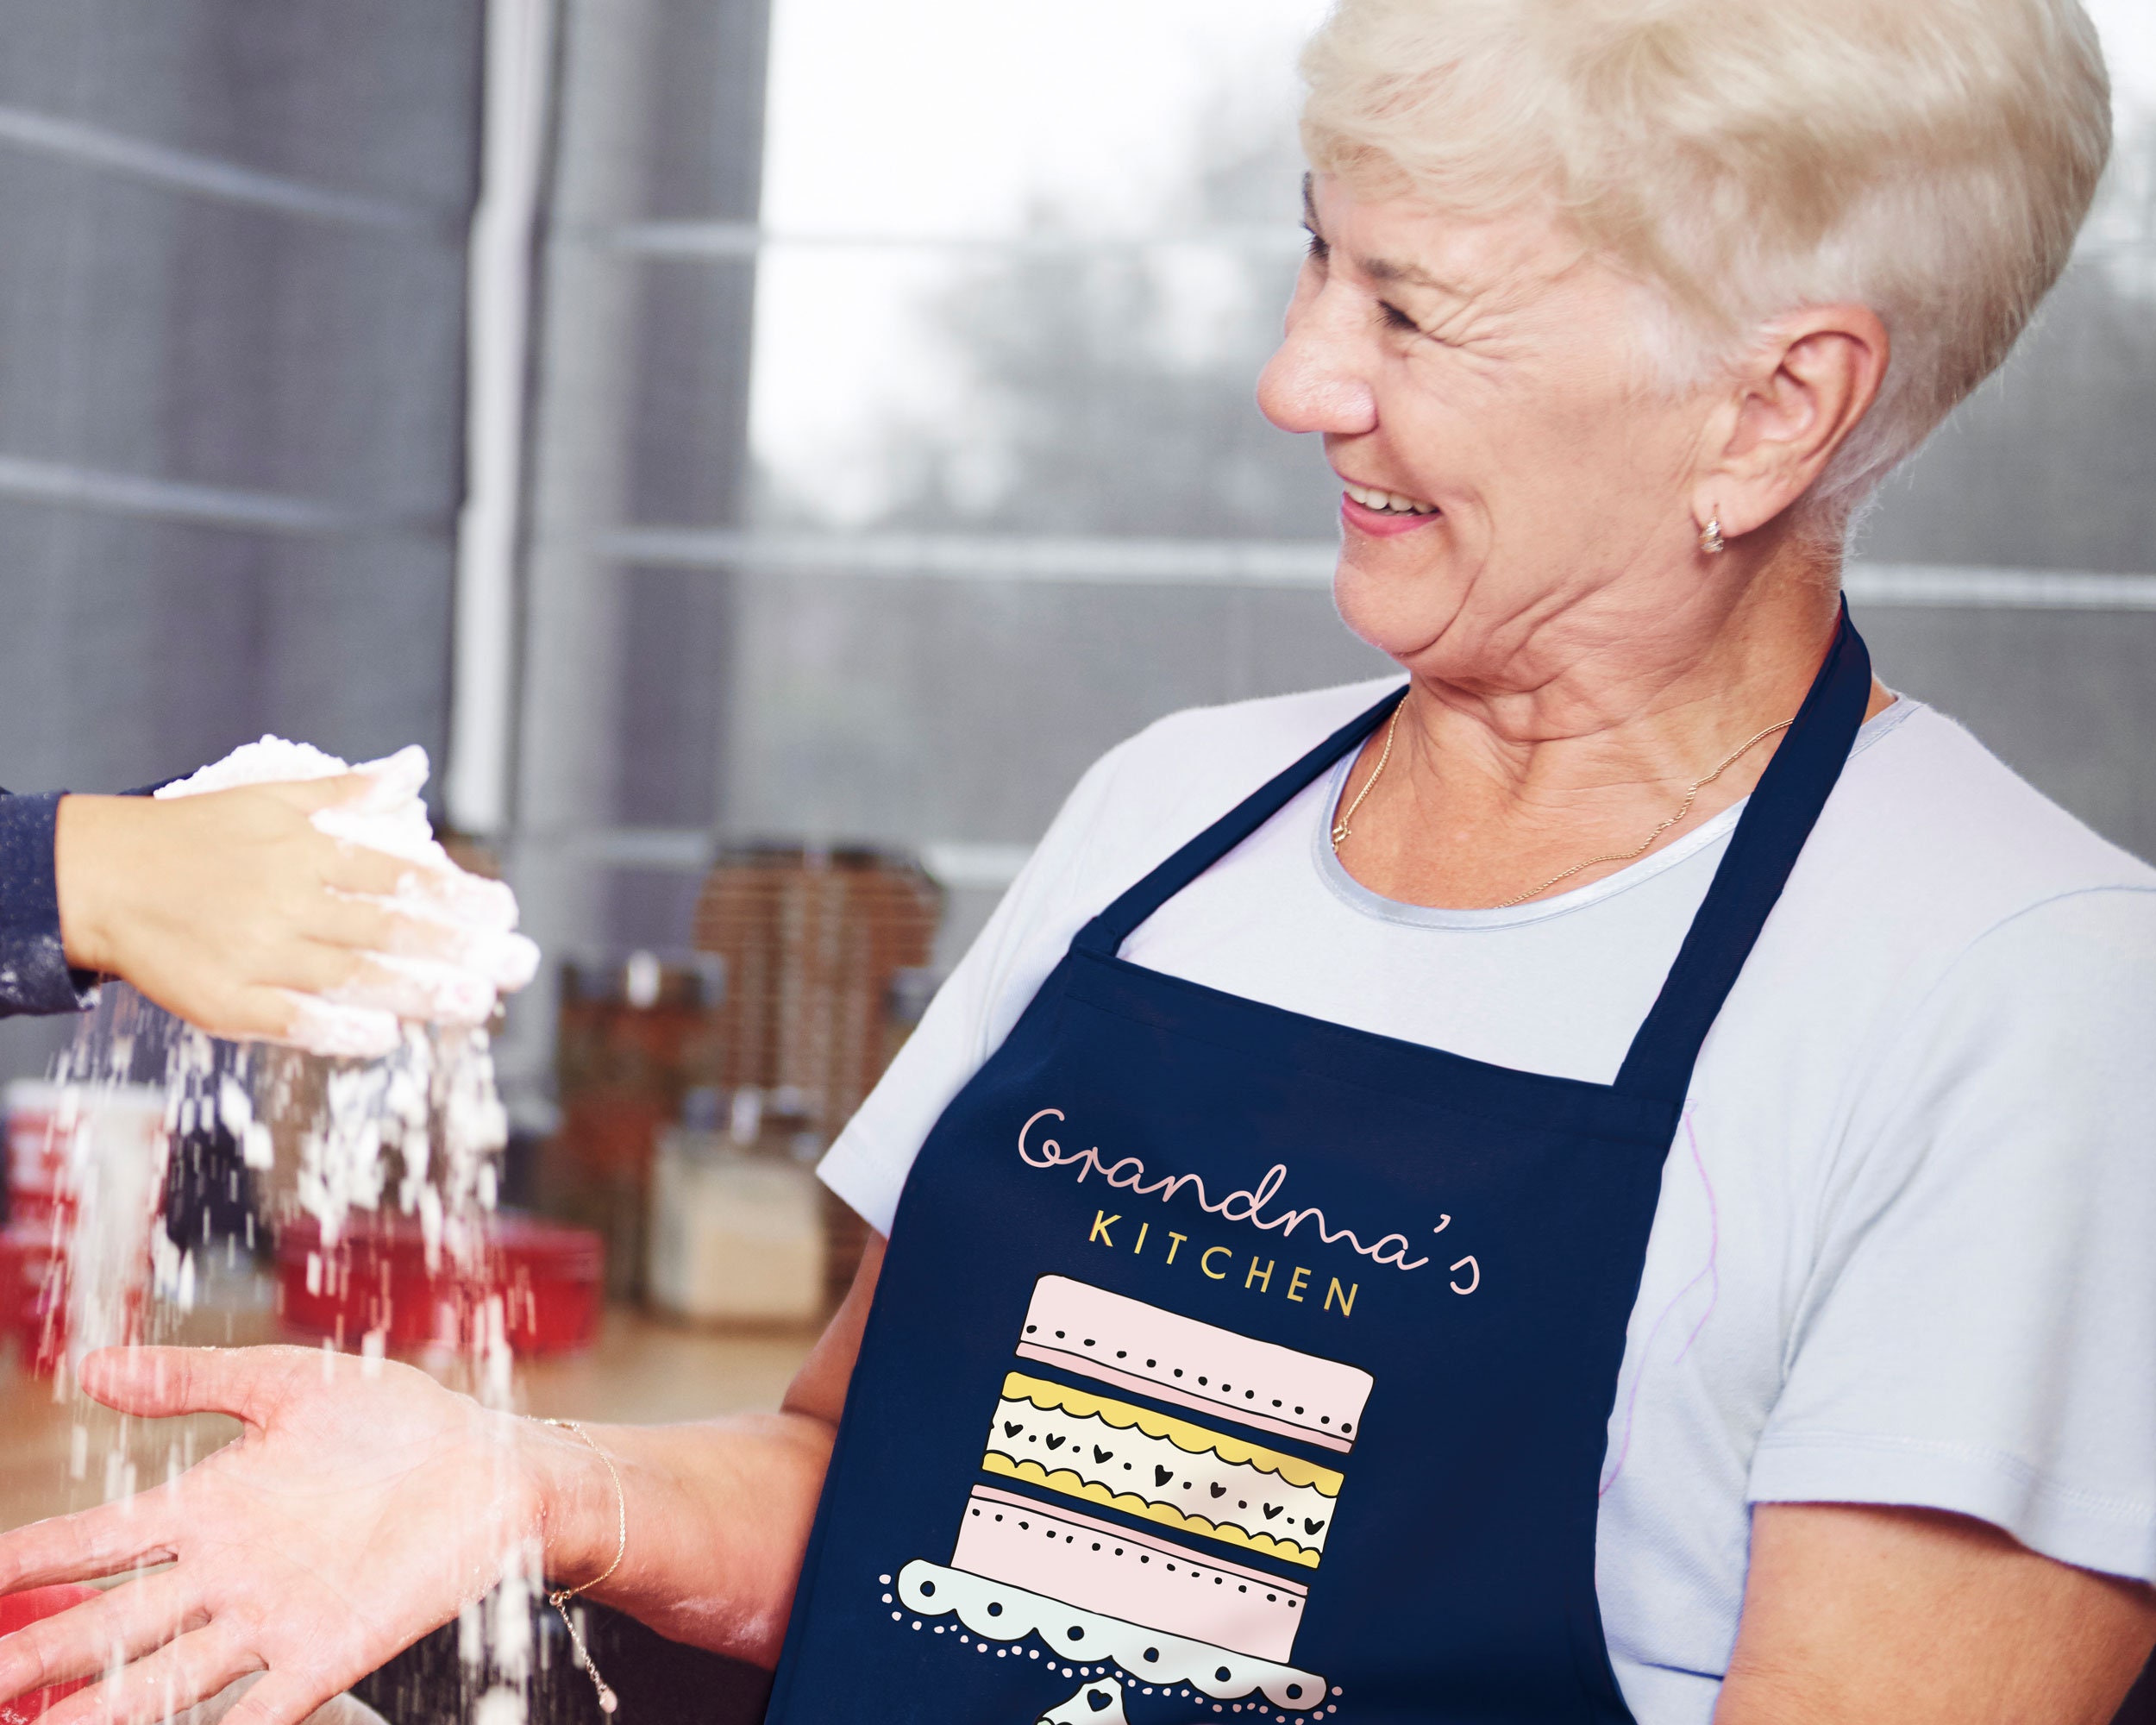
<point>1800,395</point>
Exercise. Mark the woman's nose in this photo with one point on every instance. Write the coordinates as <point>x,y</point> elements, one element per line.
<point>1312,383</point>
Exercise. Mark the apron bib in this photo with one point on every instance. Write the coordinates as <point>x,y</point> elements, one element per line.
<point>1230,1362</point>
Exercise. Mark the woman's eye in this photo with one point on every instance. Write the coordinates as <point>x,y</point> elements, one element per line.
<point>1397,319</point>
<point>1317,251</point>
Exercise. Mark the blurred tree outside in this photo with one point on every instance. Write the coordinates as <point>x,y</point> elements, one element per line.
<point>1116,386</point>
<point>1115,396</point>
<point>1107,390</point>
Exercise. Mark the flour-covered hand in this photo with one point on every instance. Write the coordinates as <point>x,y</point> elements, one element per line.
<point>262,911</point>
<point>361,1506</point>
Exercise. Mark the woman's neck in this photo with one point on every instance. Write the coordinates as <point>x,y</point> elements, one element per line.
<point>1505,774</point>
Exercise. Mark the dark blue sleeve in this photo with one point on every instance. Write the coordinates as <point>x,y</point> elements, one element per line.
<point>34,975</point>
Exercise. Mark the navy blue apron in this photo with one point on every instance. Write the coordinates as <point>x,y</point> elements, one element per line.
<point>1228,1362</point>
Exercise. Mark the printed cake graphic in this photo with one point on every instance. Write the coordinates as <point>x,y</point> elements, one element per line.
<point>1173,1606</point>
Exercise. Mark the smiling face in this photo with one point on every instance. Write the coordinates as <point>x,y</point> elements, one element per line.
<point>1514,490</point>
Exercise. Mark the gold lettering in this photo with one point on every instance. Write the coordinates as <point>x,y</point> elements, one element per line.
<point>1265,1281</point>
<point>1296,1282</point>
<point>1142,1227</point>
<point>1102,1221</point>
<point>1174,1240</point>
<point>1205,1261</point>
<point>1346,1299</point>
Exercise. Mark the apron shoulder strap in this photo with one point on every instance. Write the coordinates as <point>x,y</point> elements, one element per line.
<point>1106,932</point>
<point>1776,821</point>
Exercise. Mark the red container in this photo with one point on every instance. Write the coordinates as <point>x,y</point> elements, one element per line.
<point>19,1611</point>
<point>548,1276</point>
<point>37,1152</point>
<point>14,1278</point>
<point>28,1288</point>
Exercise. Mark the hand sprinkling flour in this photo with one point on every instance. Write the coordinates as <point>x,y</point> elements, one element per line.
<point>451,946</point>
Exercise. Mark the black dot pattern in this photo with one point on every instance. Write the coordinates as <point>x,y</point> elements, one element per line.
<point>1249,1394</point>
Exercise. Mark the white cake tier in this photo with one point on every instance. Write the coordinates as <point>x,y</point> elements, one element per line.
<point>999,1611</point>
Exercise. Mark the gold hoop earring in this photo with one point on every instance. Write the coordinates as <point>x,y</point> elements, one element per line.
<point>1710,537</point>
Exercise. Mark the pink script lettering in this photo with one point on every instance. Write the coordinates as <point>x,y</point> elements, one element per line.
<point>1243,1205</point>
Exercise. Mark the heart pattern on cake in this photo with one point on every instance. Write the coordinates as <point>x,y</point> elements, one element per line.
<point>1195,1479</point>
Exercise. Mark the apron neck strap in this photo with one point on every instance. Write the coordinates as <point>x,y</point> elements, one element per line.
<point>1776,822</point>
<point>1778,819</point>
<point>1106,932</point>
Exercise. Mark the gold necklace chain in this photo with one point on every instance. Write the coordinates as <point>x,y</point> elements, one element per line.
<point>1342,830</point>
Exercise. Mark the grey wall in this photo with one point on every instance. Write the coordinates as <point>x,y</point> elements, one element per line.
<point>231,336</point>
<point>2051,465</point>
<point>2066,697</point>
<point>231,261</point>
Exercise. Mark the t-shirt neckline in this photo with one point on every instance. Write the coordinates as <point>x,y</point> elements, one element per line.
<point>1361,900</point>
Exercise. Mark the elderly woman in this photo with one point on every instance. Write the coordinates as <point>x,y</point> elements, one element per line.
<point>1609,1181</point>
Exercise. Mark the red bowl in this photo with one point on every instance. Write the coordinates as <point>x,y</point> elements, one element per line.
<point>18,1611</point>
<point>27,1291</point>
<point>548,1276</point>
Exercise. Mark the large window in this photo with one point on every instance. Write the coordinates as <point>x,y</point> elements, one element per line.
<point>1006,497</point>
<point>885,447</point>
<point>1019,408</point>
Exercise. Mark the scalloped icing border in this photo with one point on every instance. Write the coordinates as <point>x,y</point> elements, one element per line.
<point>1018,1613</point>
<point>1287,1550</point>
<point>1019,1386</point>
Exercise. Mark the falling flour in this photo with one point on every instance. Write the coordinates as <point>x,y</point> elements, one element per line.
<point>375,1107</point>
<point>371,1116</point>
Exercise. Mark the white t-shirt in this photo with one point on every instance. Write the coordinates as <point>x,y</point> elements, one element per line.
<point>1905,1251</point>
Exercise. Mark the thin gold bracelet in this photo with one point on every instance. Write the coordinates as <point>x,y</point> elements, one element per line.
<point>560,1598</point>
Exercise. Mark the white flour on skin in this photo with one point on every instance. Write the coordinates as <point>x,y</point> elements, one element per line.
<point>412,1080</point>
<point>406,1071</point>
<point>475,918</point>
<point>387,1097</point>
<point>419,1130</point>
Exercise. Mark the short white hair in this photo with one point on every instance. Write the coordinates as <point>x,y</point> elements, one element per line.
<point>1932,160</point>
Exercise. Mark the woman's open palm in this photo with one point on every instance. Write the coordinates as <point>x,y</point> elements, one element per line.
<point>361,1506</point>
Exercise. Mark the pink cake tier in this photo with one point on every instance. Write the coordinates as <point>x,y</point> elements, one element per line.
<point>1194,1364</point>
<point>1101,1567</point>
